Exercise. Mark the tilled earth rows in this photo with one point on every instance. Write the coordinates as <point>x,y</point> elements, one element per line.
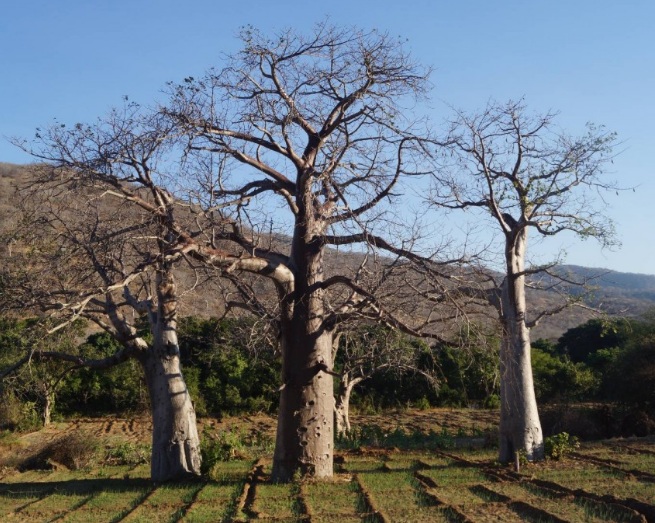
<point>612,481</point>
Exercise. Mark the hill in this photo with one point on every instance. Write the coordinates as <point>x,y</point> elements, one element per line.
<point>615,293</point>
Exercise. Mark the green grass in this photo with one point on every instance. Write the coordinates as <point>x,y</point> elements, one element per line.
<point>404,483</point>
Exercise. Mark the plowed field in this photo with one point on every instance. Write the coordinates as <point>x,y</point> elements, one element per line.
<point>608,481</point>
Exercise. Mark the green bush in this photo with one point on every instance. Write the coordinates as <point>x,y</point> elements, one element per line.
<point>18,415</point>
<point>556,447</point>
<point>492,401</point>
<point>128,453</point>
<point>229,445</point>
<point>376,436</point>
<point>557,378</point>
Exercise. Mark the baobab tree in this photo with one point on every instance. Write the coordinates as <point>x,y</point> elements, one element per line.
<point>97,241</point>
<point>522,172</point>
<point>312,132</point>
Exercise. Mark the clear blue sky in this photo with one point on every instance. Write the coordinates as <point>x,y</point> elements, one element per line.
<point>593,60</point>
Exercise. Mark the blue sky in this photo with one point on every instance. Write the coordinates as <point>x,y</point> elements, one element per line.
<point>590,60</point>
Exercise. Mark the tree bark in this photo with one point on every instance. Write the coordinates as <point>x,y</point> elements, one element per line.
<point>175,442</point>
<point>305,430</point>
<point>48,407</point>
<point>520,427</point>
<point>305,436</point>
<point>342,407</point>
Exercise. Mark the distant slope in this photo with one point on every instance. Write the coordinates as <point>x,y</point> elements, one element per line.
<point>616,293</point>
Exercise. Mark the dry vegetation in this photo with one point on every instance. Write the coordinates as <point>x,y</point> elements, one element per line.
<point>608,481</point>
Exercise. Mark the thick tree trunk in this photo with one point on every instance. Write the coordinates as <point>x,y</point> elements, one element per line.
<point>305,439</point>
<point>175,442</point>
<point>342,406</point>
<point>520,427</point>
<point>305,428</point>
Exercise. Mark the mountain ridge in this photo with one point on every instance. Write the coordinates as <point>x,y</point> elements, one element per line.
<point>614,292</point>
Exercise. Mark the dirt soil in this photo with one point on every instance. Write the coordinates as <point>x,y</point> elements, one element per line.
<point>112,430</point>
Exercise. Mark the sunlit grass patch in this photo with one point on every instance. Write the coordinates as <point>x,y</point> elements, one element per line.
<point>383,481</point>
<point>214,502</point>
<point>30,476</point>
<point>230,471</point>
<point>362,464</point>
<point>206,513</point>
<point>621,457</point>
<point>536,497</point>
<point>166,503</point>
<point>433,460</point>
<point>173,494</point>
<point>116,499</point>
<point>337,497</point>
<point>492,512</point>
<point>476,455</point>
<point>12,502</point>
<point>276,500</point>
<point>52,506</point>
<point>108,505</point>
<point>329,518</point>
<point>140,472</point>
<point>401,464</point>
<point>454,475</point>
<point>400,496</point>
<point>215,491</point>
<point>598,480</point>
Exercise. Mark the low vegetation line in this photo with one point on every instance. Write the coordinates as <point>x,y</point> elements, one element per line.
<point>611,465</point>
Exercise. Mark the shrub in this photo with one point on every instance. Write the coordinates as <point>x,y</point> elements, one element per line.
<point>228,445</point>
<point>128,454</point>
<point>73,451</point>
<point>559,445</point>
<point>17,415</point>
<point>492,402</point>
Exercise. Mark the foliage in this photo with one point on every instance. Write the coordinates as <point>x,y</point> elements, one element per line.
<point>559,445</point>
<point>401,438</point>
<point>224,372</point>
<point>127,453</point>
<point>232,444</point>
<point>579,343</point>
<point>18,414</point>
<point>637,362</point>
<point>559,379</point>
<point>32,389</point>
<point>470,371</point>
<point>118,389</point>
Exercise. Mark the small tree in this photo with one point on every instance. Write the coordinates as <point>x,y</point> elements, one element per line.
<point>524,174</point>
<point>366,350</point>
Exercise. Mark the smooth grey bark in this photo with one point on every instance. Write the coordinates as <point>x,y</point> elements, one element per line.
<point>520,427</point>
<point>342,407</point>
<point>175,441</point>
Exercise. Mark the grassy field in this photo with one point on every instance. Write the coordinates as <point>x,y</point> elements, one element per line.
<point>607,481</point>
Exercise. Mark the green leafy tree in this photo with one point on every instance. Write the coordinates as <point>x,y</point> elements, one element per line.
<point>233,369</point>
<point>579,343</point>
